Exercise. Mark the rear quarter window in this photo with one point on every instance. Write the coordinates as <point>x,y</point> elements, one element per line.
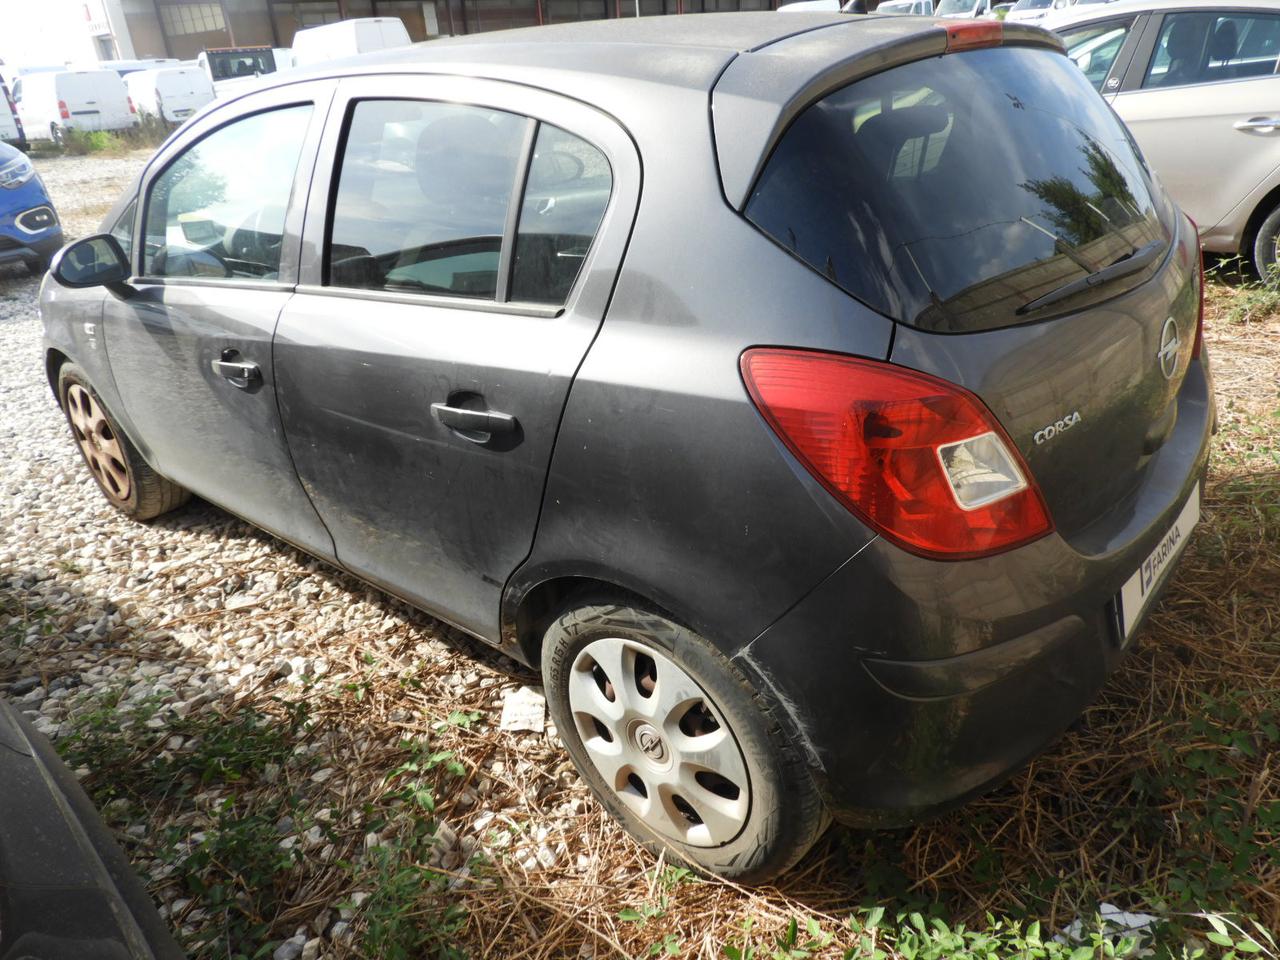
<point>949,193</point>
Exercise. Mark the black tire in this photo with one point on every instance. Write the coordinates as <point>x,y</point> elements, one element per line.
<point>146,494</point>
<point>786,815</point>
<point>56,135</point>
<point>38,266</point>
<point>1264,251</point>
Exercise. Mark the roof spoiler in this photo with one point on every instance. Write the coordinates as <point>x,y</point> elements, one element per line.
<point>762,91</point>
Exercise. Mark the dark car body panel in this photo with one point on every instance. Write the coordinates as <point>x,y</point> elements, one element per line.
<point>640,461</point>
<point>66,890</point>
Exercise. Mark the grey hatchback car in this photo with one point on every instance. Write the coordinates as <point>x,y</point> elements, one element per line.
<point>818,401</point>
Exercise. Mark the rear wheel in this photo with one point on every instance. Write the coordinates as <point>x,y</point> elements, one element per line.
<point>38,265</point>
<point>56,133</point>
<point>677,745</point>
<point>1265,254</point>
<point>126,480</point>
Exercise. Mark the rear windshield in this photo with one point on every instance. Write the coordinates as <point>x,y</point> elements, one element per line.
<point>229,64</point>
<point>952,193</point>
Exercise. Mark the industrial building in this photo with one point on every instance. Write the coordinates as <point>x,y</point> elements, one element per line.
<point>182,28</point>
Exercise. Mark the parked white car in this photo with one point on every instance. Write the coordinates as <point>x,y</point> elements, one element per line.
<point>170,93</point>
<point>907,8</point>
<point>50,104</point>
<point>346,38</point>
<point>1029,11</point>
<point>966,9</point>
<point>1195,82</point>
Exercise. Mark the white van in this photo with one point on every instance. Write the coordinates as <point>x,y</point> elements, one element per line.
<point>126,67</point>
<point>346,38</point>
<point>170,93</point>
<point>10,126</point>
<point>231,69</point>
<point>52,103</point>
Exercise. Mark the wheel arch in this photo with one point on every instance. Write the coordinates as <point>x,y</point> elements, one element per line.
<point>1260,212</point>
<point>530,608</point>
<point>54,361</point>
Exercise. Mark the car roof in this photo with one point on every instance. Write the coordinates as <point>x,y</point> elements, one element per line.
<point>687,51</point>
<point>1103,11</point>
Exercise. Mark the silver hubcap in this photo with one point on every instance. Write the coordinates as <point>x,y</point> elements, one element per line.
<point>98,442</point>
<point>659,742</point>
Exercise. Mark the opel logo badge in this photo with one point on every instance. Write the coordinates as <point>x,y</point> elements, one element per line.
<point>651,744</point>
<point>1168,352</point>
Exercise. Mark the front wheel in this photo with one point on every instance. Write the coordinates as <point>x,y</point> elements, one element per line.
<point>677,745</point>
<point>1265,253</point>
<point>126,480</point>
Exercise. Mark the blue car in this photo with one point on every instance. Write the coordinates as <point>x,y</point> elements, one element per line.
<point>29,226</point>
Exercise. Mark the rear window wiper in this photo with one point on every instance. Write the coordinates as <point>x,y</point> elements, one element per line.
<point>1126,265</point>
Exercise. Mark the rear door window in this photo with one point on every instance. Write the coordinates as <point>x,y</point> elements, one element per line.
<point>565,196</point>
<point>953,193</point>
<point>1209,47</point>
<point>423,197</point>
<point>1094,48</point>
<point>427,192</point>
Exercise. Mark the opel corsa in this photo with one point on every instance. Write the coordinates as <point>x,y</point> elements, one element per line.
<point>819,402</point>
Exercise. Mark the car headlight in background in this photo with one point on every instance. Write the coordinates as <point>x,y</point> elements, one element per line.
<point>16,173</point>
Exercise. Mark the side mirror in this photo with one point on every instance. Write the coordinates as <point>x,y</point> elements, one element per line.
<point>96,261</point>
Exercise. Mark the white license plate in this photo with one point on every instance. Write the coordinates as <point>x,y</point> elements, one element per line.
<point>1137,592</point>
<point>181,113</point>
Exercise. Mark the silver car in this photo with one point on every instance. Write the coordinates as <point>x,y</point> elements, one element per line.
<point>1196,83</point>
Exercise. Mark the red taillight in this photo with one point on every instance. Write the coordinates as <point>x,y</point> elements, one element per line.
<point>132,108</point>
<point>901,449</point>
<point>1195,350</point>
<point>973,35</point>
<point>62,110</point>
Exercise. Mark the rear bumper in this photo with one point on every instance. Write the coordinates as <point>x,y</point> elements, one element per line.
<point>66,890</point>
<point>915,684</point>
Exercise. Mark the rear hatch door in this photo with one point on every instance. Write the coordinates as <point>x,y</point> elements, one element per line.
<point>992,204</point>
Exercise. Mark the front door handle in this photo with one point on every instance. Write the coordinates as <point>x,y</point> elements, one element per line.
<point>473,422</point>
<point>241,373</point>
<point>1261,124</point>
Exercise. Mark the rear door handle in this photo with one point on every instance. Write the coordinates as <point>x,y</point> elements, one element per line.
<point>240,372</point>
<point>473,421</point>
<point>1258,123</point>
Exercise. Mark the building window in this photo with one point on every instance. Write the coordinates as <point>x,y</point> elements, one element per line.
<point>182,19</point>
